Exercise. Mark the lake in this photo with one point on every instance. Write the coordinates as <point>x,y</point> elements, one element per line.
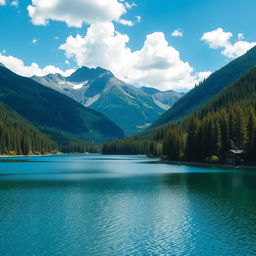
<point>72,205</point>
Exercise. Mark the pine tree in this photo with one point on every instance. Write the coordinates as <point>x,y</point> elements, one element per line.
<point>239,136</point>
<point>224,130</point>
<point>251,129</point>
<point>192,139</point>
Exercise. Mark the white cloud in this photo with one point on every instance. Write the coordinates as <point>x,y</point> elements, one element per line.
<point>101,46</point>
<point>220,39</point>
<point>2,2</point>
<point>34,41</point>
<point>15,3</point>
<point>76,12</point>
<point>201,76</point>
<point>217,38</point>
<point>67,62</point>
<point>126,22</point>
<point>157,64</point>
<point>237,49</point>
<point>240,36</point>
<point>18,66</point>
<point>129,6</point>
<point>138,19</point>
<point>177,33</point>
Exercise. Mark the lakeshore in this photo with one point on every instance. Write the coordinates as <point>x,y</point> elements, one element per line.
<point>208,164</point>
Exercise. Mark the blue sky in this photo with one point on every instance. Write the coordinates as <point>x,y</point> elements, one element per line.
<point>138,55</point>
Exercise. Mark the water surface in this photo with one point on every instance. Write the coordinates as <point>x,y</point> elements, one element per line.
<point>124,205</point>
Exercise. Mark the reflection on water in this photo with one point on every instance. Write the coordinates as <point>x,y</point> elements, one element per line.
<point>118,205</point>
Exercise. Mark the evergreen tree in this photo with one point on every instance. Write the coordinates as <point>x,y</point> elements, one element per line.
<point>251,129</point>
<point>192,139</point>
<point>239,132</point>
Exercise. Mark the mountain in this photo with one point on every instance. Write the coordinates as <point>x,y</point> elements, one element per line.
<point>241,93</point>
<point>2,65</point>
<point>227,121</point>
<point>52,112</point>
<point>167,98</point>
<point>208,88</point>
<point>149,90</point>
<point>133,109</point>
<point>89,74</point>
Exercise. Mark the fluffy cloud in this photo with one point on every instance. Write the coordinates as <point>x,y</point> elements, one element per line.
<point>217,38</point>
<point>157,64</point>
<point>237,49</point>
<point>177,33</point>
<point>220,39</point>
<point>18,66</point>
<point>76,12</point>
<point>126,22</point>
<point>101,46</point>
<point>2,2</point>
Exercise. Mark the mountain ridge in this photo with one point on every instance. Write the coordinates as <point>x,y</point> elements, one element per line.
<point>100,90</point>
<point>208,88</point>
<point>53,113</point>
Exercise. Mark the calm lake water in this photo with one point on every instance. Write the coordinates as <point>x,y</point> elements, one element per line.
<point>124,205</point>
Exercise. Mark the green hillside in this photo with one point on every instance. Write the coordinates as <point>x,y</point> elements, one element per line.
<point>17,136</point>
<point>127,106</point>
<point>54,113</point>
<point>205,91</point>
<point>228,121</point>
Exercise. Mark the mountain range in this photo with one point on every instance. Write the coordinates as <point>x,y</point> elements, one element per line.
<point>224,105</point>
<point>133,109</point>
<point>92,105</point>
<point>53,113</point>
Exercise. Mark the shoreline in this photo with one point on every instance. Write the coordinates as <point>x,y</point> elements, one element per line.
<point>159,160</point>
<point>8,156</point>
<point>208,164</point>
<point>57,154</point>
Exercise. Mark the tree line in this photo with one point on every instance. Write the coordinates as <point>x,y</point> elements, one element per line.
<point>18,137</point>
<point>208,139</point>
<point>226,122</point>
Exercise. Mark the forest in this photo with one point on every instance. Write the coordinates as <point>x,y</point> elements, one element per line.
<point>227,122</point>
<point>19,137</point>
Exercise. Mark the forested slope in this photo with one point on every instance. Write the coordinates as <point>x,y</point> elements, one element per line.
<point>228,121</point>
<point>17,136</point>
<point>54,113</point>
<point>209,88</point>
